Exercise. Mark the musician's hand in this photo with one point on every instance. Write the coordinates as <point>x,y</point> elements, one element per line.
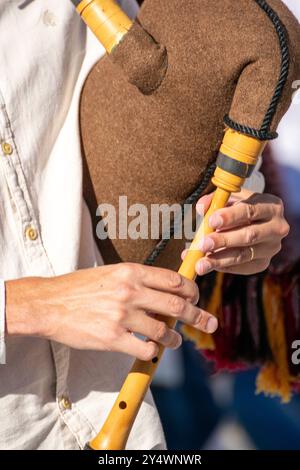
<point>248,234</point>
<point>98,309</point>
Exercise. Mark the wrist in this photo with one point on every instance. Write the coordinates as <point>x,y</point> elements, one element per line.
<point>26,302</point>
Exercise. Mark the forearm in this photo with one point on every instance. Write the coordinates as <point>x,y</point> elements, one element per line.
<point>26,308</point>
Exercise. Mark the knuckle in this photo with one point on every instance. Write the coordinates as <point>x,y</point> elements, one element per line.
<point>279,205</point>
<point>126,271</point>
<point>251,236</point>
<point>161,332</point>
<point>263,266</point>
<point>120,315</point>
<point>241,256</point>
<point>277,249</point>
<point>198,317</point>
<point>196,294</point>
<point>213,263</point>
<point>126,292</point>
<point>202,322</point>
<point>177,305</point>
<point>175,279</point>
<point>222,240</point>
<point>284,229</point>
<point>226,218</point>
<point>250,212</point>
<point>150,351</point>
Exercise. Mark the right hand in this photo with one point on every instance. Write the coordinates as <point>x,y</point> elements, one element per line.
<point>100,308</point>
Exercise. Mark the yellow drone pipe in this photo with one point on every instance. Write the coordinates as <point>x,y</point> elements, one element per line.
<point>106,19</point>
<point>238,156</point>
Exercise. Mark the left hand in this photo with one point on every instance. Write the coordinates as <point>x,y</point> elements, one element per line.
<point>249,232</point>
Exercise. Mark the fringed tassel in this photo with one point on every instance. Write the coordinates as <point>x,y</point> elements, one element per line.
<point>273,379</point>
<point>203,340</point>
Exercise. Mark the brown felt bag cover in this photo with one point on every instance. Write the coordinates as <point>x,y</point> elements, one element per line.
<point>212,58</point>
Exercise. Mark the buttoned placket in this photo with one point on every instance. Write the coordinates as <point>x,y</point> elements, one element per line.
<point>35,254</point>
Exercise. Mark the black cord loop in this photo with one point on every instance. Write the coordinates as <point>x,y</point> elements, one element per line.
<point>264,132</point>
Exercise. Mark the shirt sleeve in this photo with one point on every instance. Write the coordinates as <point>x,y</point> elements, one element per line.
<point>2,323</point>
<point>256,182</point>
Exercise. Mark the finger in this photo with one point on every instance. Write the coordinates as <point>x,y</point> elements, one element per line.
<point>155,330</point>
<point>241,214</point>
<point>143,350</point>
<point>204,203</point>
<point>209,327</point>
<point>235,257</point>
<point>248,269</point>
<point>176,307</point>
<point>169,281</point>
<point>183,254</point>
<point>239,237</point>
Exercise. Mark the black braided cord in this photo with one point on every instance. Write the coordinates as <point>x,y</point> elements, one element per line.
<point>189,201</point>
<point>264,132</point>
<point>261,134</point>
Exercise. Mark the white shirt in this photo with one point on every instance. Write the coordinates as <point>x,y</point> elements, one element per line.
<point>51,397</point>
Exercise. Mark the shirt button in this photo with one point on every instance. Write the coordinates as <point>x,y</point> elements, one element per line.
<point>65,403</point>
<point>31,234</point>
<point>7,148</point>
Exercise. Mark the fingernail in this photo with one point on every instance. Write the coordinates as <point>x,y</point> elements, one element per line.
<point>206,244</point>
<point>200,208</point>
<point>212,325</point>
<point>215,221</point>
<point>179,342</point>
<point>203,267</point>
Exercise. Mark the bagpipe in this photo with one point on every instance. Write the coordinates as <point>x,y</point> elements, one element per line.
<point>153,113</point>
